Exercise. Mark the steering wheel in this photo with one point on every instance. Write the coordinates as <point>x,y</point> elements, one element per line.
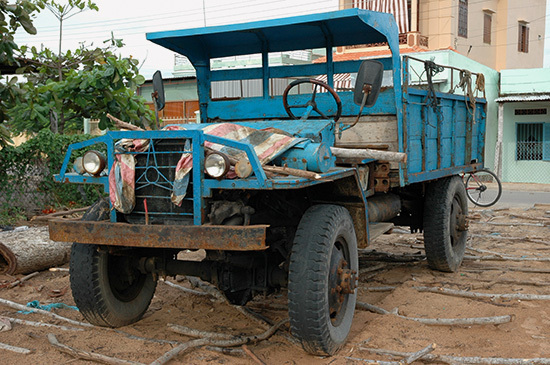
<point>311,105</point>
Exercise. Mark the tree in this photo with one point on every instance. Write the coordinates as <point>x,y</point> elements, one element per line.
<point>64,12</point>
<point>85,83</point>
<point>12,17</point>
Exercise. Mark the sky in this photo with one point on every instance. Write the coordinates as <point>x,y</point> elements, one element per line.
<point>130,21</point>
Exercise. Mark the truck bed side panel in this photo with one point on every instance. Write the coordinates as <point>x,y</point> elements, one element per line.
<point>446,136</point>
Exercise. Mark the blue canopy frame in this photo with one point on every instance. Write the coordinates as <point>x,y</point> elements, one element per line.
<point>324,30</point>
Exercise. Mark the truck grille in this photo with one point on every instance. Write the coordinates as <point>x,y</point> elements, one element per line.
<point>154,177</point>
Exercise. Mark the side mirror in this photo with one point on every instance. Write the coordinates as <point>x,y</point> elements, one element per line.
<point>368,83</point>
<point>158,91</point>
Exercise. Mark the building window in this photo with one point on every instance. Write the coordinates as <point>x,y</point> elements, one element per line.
<point>487,23</point>
<point>533,141</point>
<point>523,37</point>
<point>463,18</point>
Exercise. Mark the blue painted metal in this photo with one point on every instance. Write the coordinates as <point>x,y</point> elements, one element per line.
<point>293,71</point>
<point>347,27</point>
<point>439,141</point>
<point>260,108</point>
<point>308,156</point>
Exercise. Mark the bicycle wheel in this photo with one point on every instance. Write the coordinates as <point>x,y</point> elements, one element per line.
<point>483,188</point>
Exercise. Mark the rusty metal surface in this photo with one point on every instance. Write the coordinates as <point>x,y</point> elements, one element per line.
<point>383,207</point>
<point>234,238</point>
<point>381,173</point>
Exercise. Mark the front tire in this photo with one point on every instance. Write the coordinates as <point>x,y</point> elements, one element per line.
<point>322,279</point>
<point>479,192</point>
<point>108,289</point>
<point>445,224</point>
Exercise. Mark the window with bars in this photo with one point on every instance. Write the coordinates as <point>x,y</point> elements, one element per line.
<point>523,37</point>
<point>463,18</point>
<point>533,141</point>
<point>487,23</point>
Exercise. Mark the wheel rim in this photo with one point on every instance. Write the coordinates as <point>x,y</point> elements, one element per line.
<point>457,222</point>
<point>341,282</point>
<point>483,188</point>
<point>125,281</point>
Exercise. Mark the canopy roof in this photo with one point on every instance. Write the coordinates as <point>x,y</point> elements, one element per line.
<point>332,29</point>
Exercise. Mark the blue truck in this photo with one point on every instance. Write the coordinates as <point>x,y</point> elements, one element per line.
<point>281,188</point>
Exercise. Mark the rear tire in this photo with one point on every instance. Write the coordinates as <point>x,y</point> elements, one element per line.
<point>445,225</point>
<point>322,279</point>
<point>108,289</point>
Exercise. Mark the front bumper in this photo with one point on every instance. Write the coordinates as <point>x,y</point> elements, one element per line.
<point>230,238</point>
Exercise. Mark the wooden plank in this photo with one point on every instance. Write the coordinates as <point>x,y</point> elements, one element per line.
<point>376,229</point>
<point>379,130</point>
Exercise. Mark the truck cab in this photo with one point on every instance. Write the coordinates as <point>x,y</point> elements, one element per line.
<point>282,186</point>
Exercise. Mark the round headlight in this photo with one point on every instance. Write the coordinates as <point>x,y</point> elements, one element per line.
<point>77,165</point>
<point>93,162</point>
<point>216,165</point>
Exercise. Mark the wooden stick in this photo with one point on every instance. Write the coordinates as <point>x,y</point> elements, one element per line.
<point>510,268</point>
<point>41,311</point>
<point>146,339</point>
<point>252,355</point>
<point>58,269</point>
<point>377,362</point>
<point>526,217</point>
<point>20,350</point>
<point>58,214</point>
<point>80,354</point>
<point>511,224</point>
<point>524,238</point>
<point>226,350</point>
<point>238,341</point>
<point>191,332</point>
<point>365,153</point>
<point>294,172</point>
<point>372,268</point>
<point>373,255</point>
<point>41,324</point>
<point>380,288</point>
<point>419,354</point>
<point>23,279</point>
<point>124,125</point>
<point>261,320</point>
<point>505,258</point>
<point>468,294</point>
<point>198,283</point>
<point>463,359</point>
<point>187,290</point>
<point>439,321</point>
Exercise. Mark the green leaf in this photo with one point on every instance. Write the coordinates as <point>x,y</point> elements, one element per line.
<point>139,79</point>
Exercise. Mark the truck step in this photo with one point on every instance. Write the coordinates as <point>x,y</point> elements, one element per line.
<point>376,229</point>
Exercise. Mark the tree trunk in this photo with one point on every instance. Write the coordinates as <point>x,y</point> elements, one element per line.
<point>27,251</point>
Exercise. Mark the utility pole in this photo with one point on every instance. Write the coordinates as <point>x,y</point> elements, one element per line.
<point>204,11</point>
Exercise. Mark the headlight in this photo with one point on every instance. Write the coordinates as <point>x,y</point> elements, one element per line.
<point>216,165</point>
<point>77,166</point>
<point>93,162</point>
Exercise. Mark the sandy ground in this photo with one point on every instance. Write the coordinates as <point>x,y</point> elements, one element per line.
<point>508,247</point>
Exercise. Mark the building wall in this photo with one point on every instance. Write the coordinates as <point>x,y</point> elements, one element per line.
<point>525,81</point>
<point>438,20</point>
<point>514,170</point>
<point>533,12</point>
<point>474,46</point>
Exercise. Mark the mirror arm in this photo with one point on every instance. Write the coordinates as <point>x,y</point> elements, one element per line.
<point>367,88</point>
<point>154,96</point>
